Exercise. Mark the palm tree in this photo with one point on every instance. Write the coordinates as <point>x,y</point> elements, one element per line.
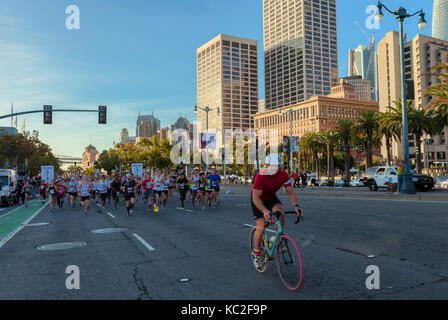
<point>330,138</point>
<point>368,126</point>
<point>388,129</point>
<point>439,94</point>
<point>312,144</point>
<point>419,123</point>
<point>345,131</point>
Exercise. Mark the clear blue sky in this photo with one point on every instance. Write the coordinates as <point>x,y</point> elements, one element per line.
<point>133,56</point>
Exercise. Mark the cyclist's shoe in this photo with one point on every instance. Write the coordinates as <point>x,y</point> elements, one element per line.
<point>256,258</point>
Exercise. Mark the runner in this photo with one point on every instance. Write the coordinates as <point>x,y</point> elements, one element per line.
<point>209,190</point>
<point>102,188</point>
<point>264,200</point>
<point>109,188</point>
<point>43,191</point>
<point>129,189</point>
<point>72,191</point>
<point>60,192</point>
<point>147,187</point>
<point>27,190</point>
<point>158,189</point>
<point>201,190</point>
<point>96,191</point>
<point>195,186</point>
<point>215,180</point>
<point>182,188</point>
<point>84,191</point>
<point>52,194</point>
<point>164,191</point>
<point>116,187</point>
<point>172,184</point>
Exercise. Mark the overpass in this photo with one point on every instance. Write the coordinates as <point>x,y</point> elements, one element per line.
<point>69,160</point>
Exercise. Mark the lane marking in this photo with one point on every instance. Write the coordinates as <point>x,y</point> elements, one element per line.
<point>12,234</point>
<point>146,244</point>
<point>110,214</point>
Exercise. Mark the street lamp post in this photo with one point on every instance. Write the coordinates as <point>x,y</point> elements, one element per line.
<point>407,186</point>
<point>207,110</point>
<point>291,159</point>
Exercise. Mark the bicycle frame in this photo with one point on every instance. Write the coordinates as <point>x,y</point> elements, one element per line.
<point>279,232</point>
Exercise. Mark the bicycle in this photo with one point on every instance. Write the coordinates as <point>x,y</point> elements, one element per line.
<point>284,250</point>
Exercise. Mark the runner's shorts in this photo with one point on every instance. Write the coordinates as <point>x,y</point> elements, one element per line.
<point>129,196</point>
<point>269,204</point>
<point>147,194</point>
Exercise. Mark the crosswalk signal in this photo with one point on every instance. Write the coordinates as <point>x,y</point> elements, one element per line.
<point>48,114</point>
<point>102,115</point>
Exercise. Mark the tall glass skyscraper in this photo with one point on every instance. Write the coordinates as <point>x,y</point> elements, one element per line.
<point>362,63</point>
<point>440,20</point>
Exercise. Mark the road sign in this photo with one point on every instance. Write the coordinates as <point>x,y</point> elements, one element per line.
<point>137,169</point>
<point>47,173</point>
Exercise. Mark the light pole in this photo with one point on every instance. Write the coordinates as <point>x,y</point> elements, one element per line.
<point>207,110</point>
<point>407,186</point>
<point>291,163</point>
<point>426,141</point>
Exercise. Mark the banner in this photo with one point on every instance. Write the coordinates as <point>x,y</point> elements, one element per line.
<point>47,173</point>
<point>137,169</point>
<point>285,144</point>
<point>208,141</point>
<point>295,144</point>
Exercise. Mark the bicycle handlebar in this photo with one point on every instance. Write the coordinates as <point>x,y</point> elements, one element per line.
<point>278,214</point>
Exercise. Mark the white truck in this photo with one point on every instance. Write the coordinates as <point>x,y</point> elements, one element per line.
<point>8,187</point>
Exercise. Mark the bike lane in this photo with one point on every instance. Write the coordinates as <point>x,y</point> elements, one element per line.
<point>13,221</point>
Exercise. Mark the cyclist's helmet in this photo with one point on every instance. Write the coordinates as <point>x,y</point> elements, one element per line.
<point>273,159</point>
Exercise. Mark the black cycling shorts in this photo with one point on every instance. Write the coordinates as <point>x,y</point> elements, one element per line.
<point>269,204</point>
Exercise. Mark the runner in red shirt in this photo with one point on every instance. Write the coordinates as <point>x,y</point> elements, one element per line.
<point>60,191</point>
<point>147,185</point>
<point>43,191</point>
<point>264,199</point>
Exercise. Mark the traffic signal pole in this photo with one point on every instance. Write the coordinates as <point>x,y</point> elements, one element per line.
<point>56,110</point>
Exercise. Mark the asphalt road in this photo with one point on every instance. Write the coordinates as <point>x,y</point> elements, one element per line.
<point>408,239</point>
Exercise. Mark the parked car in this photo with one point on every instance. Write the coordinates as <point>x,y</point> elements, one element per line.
<point>445,185</point>
<point>440,181</point>
<point>323,182</point>
<point>341,183</point>
<point>8,187</point>
<point>356,183</point>
<point>378,177</point>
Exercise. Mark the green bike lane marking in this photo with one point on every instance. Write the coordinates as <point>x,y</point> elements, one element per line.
<point>12,222</point>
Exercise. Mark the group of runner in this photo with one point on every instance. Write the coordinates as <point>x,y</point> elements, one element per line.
<point>154,191</point>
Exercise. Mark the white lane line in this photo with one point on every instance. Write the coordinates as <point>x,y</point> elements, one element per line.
<point>12,234</point>
<point>146,244</point>
<point>251,226</point>
<point>110,214</point>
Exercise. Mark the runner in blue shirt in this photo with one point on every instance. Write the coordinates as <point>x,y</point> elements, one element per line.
<point>215,180</point>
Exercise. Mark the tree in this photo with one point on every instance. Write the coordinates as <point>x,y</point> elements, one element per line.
<point>368,126</point>
<point>90,172</point>
<point>345,131</point>
<point>389,130</point>
<point>74,170</point>
<point>330,138</point>
<point>312,144</point>
<point>439,93</point>
<point>108,160</point>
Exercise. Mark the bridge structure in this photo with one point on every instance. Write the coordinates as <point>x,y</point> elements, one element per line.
<point>69,160</point>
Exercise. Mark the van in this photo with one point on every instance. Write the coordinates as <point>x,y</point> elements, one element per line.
<point>8,187</point>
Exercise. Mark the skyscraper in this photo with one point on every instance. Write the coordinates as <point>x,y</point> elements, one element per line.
<point>147,126</point>
<point>362,63</point>
<point>440,19</point>
<point>227,77</point>
<point>300,48</point>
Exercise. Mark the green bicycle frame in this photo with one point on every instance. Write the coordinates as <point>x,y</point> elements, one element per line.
<point>271,251</point>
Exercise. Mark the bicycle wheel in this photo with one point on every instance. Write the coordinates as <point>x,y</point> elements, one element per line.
<point>263,252</point>
<point>289,263</point>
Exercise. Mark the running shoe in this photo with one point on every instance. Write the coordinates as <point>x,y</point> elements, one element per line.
<point>258,263</point>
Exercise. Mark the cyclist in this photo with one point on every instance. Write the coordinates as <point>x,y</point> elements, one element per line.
<point>215,180</point>
<point>182,188</point>
<point>27,190</point>
<point>264,200</point>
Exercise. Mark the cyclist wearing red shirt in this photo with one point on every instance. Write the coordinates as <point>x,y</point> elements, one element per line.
<point>43,191</point>
<point>264,200</point>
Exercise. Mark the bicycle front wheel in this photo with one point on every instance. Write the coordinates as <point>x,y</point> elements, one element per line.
<point>289,263</point>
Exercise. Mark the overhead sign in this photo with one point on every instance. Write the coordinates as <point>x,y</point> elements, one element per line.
<point>137,169</point>
<point>47,173</point>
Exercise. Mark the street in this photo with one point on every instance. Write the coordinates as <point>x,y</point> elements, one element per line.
<point>205,254</point>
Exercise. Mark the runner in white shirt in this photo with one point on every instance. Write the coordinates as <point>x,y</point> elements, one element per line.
<point>158,188</point>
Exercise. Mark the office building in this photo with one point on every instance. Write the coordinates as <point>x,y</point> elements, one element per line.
<point>362,63</point>
<point>440,20</point>
<point>147,126</point>
<point>227,77</point>
<point>300,50</point>
<point>363,87</point>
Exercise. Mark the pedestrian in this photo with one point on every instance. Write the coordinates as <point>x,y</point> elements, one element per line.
<point>400,171</point>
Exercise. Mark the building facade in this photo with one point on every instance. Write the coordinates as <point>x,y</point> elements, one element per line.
<point>227,77</point>
<point>316,114</point>
<point>362,63</point>
<point>363,87</point>
<point>421,54</point>
<point>89,157</point>
<point>147,126</point>
<point>300,50</point>
<point>440,20</point>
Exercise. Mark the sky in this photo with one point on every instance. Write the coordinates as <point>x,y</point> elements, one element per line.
<point>135,56</point>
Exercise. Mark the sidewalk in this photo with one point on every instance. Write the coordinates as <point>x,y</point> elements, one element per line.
<point>349,193</point>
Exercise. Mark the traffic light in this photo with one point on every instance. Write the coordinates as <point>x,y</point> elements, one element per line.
<point>102,115</point>
<point>48,115</point>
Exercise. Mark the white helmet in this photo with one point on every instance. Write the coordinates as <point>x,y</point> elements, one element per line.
<point>273,159</point>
